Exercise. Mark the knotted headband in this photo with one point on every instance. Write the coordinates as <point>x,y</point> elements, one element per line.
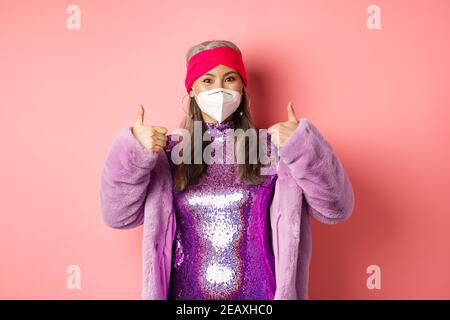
<point>208,59</point>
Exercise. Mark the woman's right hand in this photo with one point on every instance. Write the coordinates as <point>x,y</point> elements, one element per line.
<point>150,137</point>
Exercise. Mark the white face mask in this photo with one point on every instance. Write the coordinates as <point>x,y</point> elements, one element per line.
<point>218,103</point>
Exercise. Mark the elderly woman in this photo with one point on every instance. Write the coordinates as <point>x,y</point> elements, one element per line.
<point>223,229</point>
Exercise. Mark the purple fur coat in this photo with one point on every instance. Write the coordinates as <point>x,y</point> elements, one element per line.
<point>136,188</point>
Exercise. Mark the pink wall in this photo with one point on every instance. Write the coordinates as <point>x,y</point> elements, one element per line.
<point>380,97</point>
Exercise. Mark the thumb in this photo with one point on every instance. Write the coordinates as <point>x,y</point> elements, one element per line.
<point>291,113</point>
<point>140,117</point>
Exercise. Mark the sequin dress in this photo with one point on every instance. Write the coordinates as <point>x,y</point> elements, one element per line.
<point>223,244</point>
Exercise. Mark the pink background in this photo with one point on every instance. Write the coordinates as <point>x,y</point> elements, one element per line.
<point>380,97</point>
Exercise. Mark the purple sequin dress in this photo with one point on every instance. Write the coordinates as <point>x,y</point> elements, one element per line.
<point>223,248</point>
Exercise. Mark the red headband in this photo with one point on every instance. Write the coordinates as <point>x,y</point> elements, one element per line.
<point>207,59</point>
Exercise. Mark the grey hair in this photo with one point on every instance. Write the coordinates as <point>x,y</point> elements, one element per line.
<point>209,45</point>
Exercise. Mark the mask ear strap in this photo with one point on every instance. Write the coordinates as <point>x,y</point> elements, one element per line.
<point>194,91</point>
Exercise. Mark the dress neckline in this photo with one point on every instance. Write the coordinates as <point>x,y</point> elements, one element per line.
<point>219,126</point>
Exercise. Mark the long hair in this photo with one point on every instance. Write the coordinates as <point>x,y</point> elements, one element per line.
<point>187,174</point>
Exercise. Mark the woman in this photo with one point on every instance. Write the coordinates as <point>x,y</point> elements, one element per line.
<point>223,229</point>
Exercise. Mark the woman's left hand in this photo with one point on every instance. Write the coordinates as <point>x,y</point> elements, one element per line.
<point>281,131</point>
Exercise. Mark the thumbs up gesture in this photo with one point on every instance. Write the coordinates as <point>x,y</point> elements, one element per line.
<point>280,132</point>
<point>152,138</point>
